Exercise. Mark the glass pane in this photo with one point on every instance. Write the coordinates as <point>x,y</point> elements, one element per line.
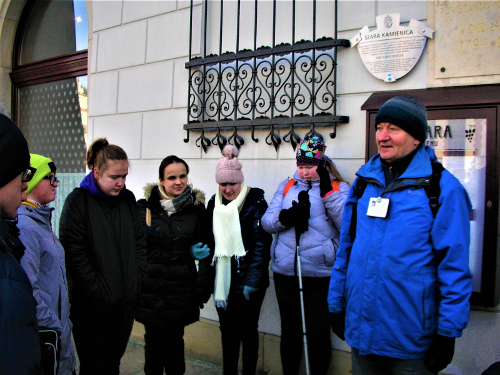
<point>461,146</point>
<point>55,27</point>
<point>81,25</point>
<point>53,118</point>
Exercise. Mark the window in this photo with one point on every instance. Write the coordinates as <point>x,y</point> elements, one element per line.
<point>49,79</point>
<point>290,82</point>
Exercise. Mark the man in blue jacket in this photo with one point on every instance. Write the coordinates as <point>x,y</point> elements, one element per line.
<point>400,286</point>
<point>19,342</point>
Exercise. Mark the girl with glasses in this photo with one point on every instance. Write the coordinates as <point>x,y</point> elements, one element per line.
<point>43,262</point>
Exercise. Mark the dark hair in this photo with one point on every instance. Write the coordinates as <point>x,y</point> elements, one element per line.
<point>100,151</point>
<point>169,160</point>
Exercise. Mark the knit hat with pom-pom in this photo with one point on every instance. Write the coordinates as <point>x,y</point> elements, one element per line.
<point>229,168</point>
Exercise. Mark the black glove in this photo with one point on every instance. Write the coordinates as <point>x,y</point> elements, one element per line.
<point>337,322</point>
<point>288,217</point>
<point>440,353</point>
<point>325,184</point>
<point>298,215</point>
<point>152,235</point>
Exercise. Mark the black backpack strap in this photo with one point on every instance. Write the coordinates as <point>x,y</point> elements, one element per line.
<point>360,190</point>
<point>434,190</point>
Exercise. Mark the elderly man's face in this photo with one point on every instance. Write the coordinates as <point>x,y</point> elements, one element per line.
<point>393,142</point>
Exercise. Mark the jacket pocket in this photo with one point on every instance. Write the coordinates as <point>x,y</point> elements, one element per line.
<point>273,247</point>
<point>430,298</point>
<point>329,250</point>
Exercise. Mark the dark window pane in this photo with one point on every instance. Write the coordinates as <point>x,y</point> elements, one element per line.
<point>50,117</point>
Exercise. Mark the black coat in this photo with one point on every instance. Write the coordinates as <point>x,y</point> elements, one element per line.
<point>175,288</point>
<point>253,268</point>
<point>105,248</point>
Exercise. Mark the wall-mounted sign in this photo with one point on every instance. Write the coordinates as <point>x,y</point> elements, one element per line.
<point>391,51</point>
<point>468,44</point>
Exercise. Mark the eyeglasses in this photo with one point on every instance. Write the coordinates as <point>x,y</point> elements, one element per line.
<point>52,179</point>
<point>28,174</point>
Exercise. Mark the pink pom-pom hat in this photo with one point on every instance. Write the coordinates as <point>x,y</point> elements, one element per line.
<point>229,168</point>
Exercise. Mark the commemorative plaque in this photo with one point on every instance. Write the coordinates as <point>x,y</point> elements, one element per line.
<point>391,51</point>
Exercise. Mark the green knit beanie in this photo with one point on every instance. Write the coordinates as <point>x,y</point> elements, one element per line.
<point>407,113</point>
<point>43,167</point>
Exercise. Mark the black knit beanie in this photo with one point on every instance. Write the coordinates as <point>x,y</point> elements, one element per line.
<point>407,113</point>
<point>13,151</point>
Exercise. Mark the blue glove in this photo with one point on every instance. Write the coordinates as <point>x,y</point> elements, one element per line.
<point>247,290</point>
<point>199,251</point>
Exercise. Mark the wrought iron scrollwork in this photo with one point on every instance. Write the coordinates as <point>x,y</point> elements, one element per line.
<point>313,132</point>
<point>284,86</point>
<point>204,142</point>
<point>273,138</point>
<point>238,141</point>
<point>253,135</point>
<point>219,140</point>
<point>333,134</point>
<point>292,137</point>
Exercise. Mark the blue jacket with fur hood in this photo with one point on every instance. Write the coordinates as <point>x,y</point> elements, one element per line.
<point>406,276</point>
<point>319,243</point>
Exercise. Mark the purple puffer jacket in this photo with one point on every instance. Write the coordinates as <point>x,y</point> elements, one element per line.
<point>319,243</point>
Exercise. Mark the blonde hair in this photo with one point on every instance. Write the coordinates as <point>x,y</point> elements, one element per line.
<point>333,170</point>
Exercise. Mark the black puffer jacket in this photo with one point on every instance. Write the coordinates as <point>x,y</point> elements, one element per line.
<point>253,268</point>
<point>105,249</point>
<point>175,289</point>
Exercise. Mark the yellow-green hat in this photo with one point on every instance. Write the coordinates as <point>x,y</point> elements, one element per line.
<point>43,167</point>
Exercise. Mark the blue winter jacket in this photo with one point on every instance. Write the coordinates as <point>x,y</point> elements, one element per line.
<point>43,262</point>
<point>404,277</point>
<point>319,243</point>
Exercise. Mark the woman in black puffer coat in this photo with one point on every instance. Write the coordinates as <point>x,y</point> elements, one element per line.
<point>105,250</point>
<point>177,232</point>
<point>242,254</point>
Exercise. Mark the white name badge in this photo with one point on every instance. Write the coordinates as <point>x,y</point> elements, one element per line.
<point>378,207</point>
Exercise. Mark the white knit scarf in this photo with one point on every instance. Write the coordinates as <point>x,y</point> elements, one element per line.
<point>228,242</point>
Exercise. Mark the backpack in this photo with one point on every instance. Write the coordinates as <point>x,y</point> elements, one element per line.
<point>433,190</point>
<point>291,182</point>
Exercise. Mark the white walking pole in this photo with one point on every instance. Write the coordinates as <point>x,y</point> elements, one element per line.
<point>299,271</point>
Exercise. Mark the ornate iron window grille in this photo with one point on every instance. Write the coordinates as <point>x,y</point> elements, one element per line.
<point>282,86</point>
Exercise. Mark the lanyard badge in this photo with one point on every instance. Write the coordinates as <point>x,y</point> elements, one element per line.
<point>378,207</point>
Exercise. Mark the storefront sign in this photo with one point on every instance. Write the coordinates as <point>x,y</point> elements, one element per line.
<point>391,51</point>
<point>460,144</point>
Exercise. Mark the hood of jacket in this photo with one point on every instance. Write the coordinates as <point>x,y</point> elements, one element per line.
<point>40,214</point>
<point>419,167</point>
<point>198,195</point>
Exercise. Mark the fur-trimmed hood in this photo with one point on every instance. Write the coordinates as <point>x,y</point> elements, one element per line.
<point>198,195</point>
